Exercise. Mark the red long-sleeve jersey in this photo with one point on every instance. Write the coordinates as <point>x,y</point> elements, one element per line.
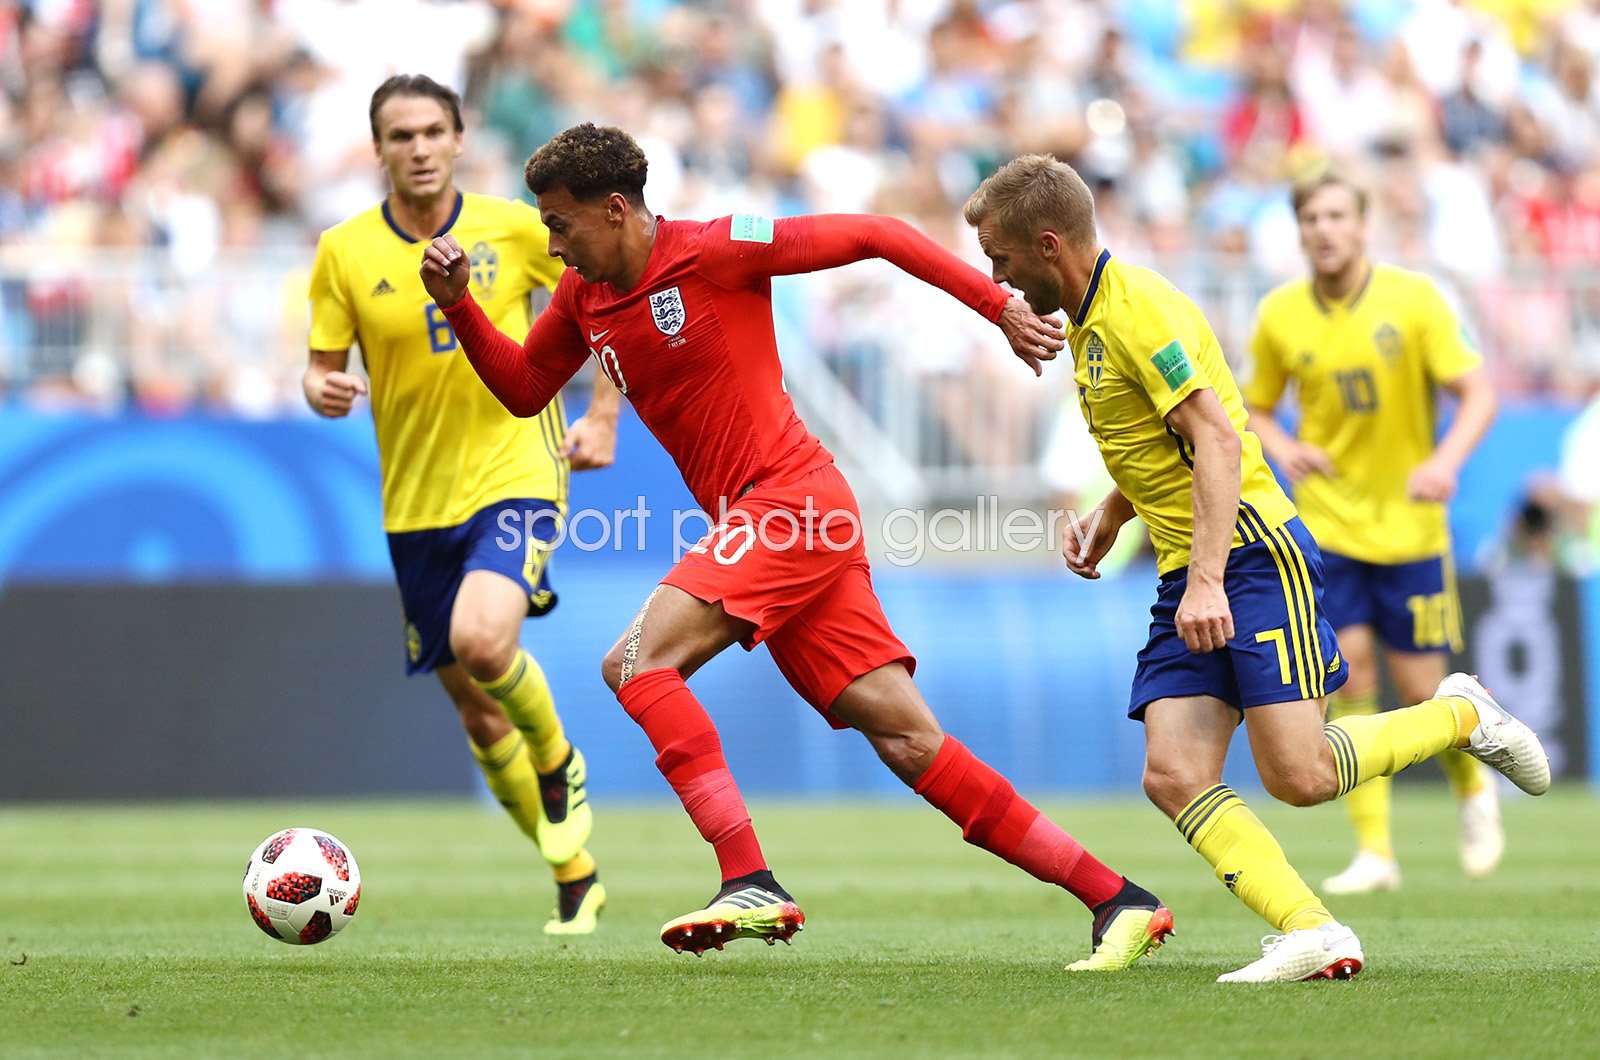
<point>692,344</point>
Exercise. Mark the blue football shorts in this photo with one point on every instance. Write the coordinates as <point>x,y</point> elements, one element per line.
<point>1413,606</point>
<point>1283,647</point>
<point>511,537</point>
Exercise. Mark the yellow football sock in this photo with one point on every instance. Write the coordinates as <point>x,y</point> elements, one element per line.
<point>1384,744</point>
<point>1466,774</point>
<point>525,694</point>
<point>580,866</point>
<point>1248,861</point>
<point>509,771</point>
<point>1369,804</point>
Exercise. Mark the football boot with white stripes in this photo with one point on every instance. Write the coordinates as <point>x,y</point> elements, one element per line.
<point>750,907</point>
<point>1125,928</point>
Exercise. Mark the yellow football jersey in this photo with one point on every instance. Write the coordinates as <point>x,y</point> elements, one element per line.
<point>446,446</point>
<point>1366,370</point>
<point>1139,347</point>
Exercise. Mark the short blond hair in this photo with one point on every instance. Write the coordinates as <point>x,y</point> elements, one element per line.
<point>1309,185</point>
<point>1033,194</point>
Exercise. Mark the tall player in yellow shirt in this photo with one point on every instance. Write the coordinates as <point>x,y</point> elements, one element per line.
<point>1367,345</point>
<point>1237,628</point>
<point>472,496</point>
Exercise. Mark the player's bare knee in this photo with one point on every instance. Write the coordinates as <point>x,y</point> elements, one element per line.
<point>1162,791</point>
<point>626,661</point>
<point>483,653</point>
<point>907,754</point>
<point>1170,787</point>
<point>1301,787</point>
<point>612,669</point>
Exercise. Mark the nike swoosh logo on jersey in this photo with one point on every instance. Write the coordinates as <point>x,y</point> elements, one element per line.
<point>596,336</point>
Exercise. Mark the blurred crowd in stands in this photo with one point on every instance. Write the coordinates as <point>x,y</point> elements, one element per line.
<point>207,142</point>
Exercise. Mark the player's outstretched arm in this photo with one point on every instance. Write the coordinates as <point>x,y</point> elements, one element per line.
<point>827,241</point>
<point>524,377</point>
<point>1034,339</point>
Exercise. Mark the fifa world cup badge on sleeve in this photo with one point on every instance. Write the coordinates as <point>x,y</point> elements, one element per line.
<point>748,228</point>
<point>1173,364</point>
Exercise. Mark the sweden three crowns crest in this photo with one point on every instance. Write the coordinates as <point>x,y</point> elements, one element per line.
<point>666,309</point>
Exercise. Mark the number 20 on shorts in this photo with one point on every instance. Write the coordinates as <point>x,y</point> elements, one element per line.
<point>727,544</point>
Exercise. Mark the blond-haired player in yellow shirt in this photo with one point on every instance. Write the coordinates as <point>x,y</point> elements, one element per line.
<point>1367,346</point>
<point>1237,630</point>
<point>473,497</point>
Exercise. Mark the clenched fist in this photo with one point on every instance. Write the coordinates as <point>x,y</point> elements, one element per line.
<point>336,394</point>
<point>445,271</point>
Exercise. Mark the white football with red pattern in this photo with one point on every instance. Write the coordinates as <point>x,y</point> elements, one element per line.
<point>301,885</point>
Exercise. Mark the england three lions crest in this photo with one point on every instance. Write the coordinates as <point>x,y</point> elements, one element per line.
<point>666,309</point>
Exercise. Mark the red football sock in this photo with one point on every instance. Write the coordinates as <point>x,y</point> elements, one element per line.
<point>993,816</point>
<point>689,755</point>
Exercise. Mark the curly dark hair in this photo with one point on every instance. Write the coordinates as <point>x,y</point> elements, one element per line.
<point>590,161</point>
<point>414,85</point>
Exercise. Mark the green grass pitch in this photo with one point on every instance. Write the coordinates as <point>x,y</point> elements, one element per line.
<point>137,943</point>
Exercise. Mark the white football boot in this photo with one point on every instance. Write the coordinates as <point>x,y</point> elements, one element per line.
<point>1483,838</point>
<point>1331,951</point>
<point>1500,741</point>
<point>1368,873</point>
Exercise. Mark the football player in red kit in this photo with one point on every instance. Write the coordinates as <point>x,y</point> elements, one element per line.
<point>679,316</point>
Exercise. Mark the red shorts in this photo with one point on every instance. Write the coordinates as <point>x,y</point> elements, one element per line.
<point>790,561</point>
